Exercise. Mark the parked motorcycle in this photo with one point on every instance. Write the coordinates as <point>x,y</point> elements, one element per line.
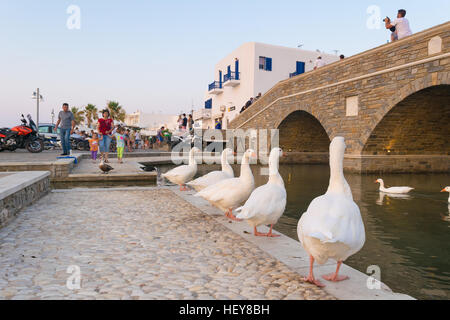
<point>25,136</point>
<point>79,144</point>
<point>51,144</point>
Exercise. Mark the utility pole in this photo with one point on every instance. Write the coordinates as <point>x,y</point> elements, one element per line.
<point>37,108</point>
<point>38,97</point>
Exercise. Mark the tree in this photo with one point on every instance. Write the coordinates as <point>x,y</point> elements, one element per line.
<point>78,115</point>
<point>90,113</point>
<point>116,110</point>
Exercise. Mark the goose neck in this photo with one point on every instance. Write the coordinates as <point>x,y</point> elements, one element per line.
<point>224,161</point>
<point>337,179</point>
<point>192,161</point>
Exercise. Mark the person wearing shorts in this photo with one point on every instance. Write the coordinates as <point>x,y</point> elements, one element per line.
<point>105,127</point>
<point>120,143</point>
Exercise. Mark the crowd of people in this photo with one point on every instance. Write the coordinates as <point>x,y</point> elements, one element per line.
<point>100,139</point>
<point>185,123</point>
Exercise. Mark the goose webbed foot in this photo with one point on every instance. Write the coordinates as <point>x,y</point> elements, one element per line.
<point>334,277</point>
<point>229,214</point>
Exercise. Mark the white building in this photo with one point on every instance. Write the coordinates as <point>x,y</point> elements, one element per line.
<point>151,122</point>
<point>251,69</point>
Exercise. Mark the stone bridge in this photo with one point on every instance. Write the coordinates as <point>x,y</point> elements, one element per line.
<point>391,103</point>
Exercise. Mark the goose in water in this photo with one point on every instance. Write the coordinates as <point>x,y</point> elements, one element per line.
<point>446,189</point>
<point>332,227</point>
<point>394,190</point>
<point>184,173</point>
<point>106,168</point>
<point>229,194</point>
<point>213,177</point>
<point>266,203</point>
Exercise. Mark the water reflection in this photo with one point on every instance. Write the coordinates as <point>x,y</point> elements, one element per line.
<point>380,199</point>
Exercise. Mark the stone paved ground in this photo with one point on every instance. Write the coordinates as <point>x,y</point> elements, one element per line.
<point>139,245</point>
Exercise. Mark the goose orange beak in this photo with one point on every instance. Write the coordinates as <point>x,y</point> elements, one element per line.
<point>375,181</point>
<point>443,190</point>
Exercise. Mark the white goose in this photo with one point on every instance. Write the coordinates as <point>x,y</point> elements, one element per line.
<point>332,227</point>
<point>447,189</point>
<point>231,193</point>
<point>213,177</point>
<point>184,173</point>
<point>267,203</point>
<point>394,190</point>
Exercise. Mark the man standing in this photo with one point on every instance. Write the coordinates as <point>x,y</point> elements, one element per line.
<point>185,121</point>
<point>401,25</point>
<point>319,63</point>
<point>67,121</point>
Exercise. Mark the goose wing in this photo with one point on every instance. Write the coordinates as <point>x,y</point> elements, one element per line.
<point>264,201</point>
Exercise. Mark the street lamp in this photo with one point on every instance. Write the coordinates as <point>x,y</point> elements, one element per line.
<point>38,97</point>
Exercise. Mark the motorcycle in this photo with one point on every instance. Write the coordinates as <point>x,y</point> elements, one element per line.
<point>78,143</point>
<point>24,136</point>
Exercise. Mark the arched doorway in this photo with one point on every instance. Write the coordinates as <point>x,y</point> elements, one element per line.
<point>418,125</point>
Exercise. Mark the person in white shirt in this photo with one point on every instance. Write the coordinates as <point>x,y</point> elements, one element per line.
<point>319,63</point>
<point>137,139</point>
<point>401,25</point>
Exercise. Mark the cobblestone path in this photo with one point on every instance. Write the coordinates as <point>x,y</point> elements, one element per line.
<point>146,244</point>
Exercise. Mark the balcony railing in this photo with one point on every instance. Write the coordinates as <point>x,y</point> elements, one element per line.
<point>293,74</point>
<point>231,76</point>
<point>214,85</point>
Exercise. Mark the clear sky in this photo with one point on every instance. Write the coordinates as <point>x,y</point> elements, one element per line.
<point>160,55</point>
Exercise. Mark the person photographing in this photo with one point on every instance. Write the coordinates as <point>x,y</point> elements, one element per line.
<point>399,27</point>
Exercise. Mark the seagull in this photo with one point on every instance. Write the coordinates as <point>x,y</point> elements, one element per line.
<point>105,167</point>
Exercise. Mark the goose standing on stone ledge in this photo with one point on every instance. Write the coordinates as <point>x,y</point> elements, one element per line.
<point>231,193</point>
<point>213,177</point>
<point>394,190</point>
<point>267,203</point>
<point>332,227</point>
<point>184,173</point>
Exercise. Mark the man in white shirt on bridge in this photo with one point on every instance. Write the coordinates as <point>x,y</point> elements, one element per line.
<point>319,63</point>
<point>401,25</point>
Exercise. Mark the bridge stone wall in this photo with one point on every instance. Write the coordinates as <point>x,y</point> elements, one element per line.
<point>378,79</point>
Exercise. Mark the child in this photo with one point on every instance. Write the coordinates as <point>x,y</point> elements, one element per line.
<point>93,145</point>
<point>120,143</point>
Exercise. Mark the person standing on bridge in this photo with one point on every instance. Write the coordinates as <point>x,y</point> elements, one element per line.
<point>400,25</point>
<point>319,63</point>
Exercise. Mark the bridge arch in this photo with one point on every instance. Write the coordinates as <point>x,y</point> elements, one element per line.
<point>300,131</point>
<point>416,122</point>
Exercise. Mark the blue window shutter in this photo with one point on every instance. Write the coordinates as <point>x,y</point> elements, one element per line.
<point>220,79</point>
<point>229,70</point>
<point>300,67</point>
<point>236,69</point>
<point>269,64</point>
<point>208,104</point>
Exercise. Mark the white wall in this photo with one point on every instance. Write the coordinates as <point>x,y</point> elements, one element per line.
<point>252,79</point>
<point>283,63</point>
<point>233,96</point>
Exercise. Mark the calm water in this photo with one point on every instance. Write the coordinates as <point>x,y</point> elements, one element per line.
<point>408,238</point>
